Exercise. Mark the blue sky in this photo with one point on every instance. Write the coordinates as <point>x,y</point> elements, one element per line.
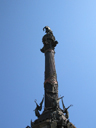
<point>22,64</point>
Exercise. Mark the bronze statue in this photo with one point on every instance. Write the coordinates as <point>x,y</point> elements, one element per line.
<point>47,30</point>
<point>48,39</point>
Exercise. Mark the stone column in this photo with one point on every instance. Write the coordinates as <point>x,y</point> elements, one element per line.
<point>50,84</point>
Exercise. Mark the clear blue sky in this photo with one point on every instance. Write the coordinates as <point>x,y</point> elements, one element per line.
<point>73,23</point>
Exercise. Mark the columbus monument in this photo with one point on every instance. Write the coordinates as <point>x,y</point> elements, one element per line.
<point>52,116</point>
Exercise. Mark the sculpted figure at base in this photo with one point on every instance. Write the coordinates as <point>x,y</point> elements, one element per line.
<point>65,110</point>
<point>38,108</point>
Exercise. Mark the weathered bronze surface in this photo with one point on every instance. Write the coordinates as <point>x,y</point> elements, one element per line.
<point>53,116</point>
